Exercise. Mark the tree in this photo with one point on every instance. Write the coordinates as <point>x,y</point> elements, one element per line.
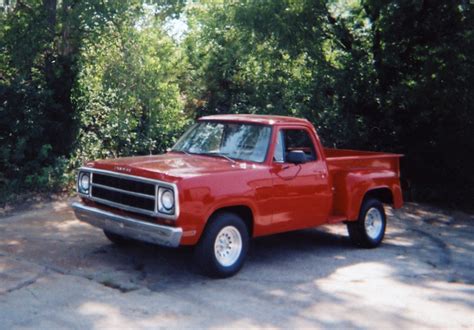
<point>127,93</point>
<point>93,78</point>
<point>42,47</point>
<point>380,75</point>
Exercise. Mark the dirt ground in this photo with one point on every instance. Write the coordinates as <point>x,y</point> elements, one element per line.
<point>56,272</point>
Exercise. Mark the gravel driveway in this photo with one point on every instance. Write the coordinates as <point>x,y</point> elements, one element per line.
<point>56,272</point>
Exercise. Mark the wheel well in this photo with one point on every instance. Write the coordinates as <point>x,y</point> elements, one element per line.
<point>382,194</point>
<point>244,212</point>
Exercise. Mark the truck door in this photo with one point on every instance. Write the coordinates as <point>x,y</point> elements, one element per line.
<point>301,193</point>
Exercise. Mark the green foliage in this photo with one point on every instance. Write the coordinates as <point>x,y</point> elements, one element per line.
<point>92,79</point>
<point>127,93</point>
<point>424,81</point>
<point>380,75</point>
<point>270,57</point>
<point>80,80</point>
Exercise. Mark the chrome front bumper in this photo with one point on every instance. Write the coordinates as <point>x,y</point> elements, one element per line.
<point>128,227</point>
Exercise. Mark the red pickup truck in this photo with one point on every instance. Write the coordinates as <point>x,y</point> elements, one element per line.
<point>233,177</point>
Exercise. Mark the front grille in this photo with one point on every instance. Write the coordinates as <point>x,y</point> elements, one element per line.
<point>124,184</point>
<point>123,198</point>
<point>125,193</point>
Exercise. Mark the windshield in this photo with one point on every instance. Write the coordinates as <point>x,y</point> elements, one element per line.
<point>232,140</point>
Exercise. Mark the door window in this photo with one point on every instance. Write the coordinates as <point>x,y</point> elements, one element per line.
<point>294,139</point>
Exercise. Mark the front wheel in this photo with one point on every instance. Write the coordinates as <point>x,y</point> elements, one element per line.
<point>369,229</point>
<point>223,246</point>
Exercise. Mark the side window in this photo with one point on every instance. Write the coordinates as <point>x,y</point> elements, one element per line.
<point>299,139</point>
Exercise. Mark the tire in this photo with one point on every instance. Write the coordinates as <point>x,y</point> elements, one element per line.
<point>117,239</point>
<point>223,246</point>
<point>369,229</point>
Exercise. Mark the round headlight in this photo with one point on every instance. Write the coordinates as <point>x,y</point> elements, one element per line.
<point>84,182</point>
<point>167,199</point>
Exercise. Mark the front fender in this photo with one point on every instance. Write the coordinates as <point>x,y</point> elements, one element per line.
<point>202,196</point>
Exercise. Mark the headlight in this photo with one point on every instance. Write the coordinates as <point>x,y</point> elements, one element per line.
<point>84,182</point>
<point>166,200</point>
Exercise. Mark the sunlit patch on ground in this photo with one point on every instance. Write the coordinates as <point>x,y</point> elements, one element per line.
<point>58,272</point>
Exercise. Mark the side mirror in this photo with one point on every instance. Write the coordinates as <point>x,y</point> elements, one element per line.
<point>296,157</point>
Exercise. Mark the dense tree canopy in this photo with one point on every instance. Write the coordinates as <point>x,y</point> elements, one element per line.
<point>97,78</point>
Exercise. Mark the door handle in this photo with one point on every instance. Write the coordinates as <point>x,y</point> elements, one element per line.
<point>322,174</point>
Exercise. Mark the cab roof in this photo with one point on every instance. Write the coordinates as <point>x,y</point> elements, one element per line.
<point>257,119</point>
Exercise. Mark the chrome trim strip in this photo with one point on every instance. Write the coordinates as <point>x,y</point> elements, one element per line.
<point>124,207</point>
<point>130,208</point>
<point>156,196</point>
<point>90,184</point>
<point>128,192</point>
<point>128,176</point>
<point>128,227</point>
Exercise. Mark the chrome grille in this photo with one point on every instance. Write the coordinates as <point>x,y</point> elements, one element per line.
<point>128,192</point>
<point>124,192</point>
<point>123,197</point>
<point>123,184</point>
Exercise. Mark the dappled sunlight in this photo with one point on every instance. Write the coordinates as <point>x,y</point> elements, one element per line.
<point>336,229</point>
<point>243,323</point>
<point>307,278</point>
<point>413,216</point>
<point>362,271</point>
<point>401,241</point>
<point>277,293</point>
<point>10,242</point>
<point>60,206</point>
<point>358,295</point>
<point>105,316</point>
<point>402,302</point>
<point>389,210</point>
<point>68,225</point>
<point>12,246</point>
<point>4,266</point>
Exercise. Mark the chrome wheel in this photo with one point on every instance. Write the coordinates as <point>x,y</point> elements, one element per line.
<point>373,223</point>
<point>228,246</point>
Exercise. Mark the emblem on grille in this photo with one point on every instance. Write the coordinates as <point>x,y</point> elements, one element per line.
<point>122,169</point>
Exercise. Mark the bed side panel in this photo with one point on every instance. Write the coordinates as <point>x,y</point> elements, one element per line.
<point>352,179</point>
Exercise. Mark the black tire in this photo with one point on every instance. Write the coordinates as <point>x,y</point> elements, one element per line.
<point>117,239</point>
<point>205,255</point>
<point>359,234</point>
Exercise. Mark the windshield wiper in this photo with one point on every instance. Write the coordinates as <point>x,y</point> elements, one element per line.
<point>215,154</point>
<point>180,151</point>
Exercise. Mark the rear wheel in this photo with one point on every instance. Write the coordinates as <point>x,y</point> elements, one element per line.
<point>223,246</point>
<point>116,238</point>
<point>369,229</point>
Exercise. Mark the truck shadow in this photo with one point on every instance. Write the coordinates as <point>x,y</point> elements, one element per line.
<point>163,269</point>
<point>293,257</point>
<point>289,272</point>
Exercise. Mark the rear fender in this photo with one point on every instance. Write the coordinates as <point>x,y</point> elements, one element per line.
<point>353,187</point>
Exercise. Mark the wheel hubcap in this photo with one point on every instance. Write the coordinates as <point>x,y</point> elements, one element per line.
<point>228,246</point>
<point>373,223</point>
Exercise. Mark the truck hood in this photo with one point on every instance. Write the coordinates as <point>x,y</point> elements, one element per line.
<point>171,166</point>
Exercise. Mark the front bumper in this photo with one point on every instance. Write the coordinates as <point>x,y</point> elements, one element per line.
<point>128,227</point>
